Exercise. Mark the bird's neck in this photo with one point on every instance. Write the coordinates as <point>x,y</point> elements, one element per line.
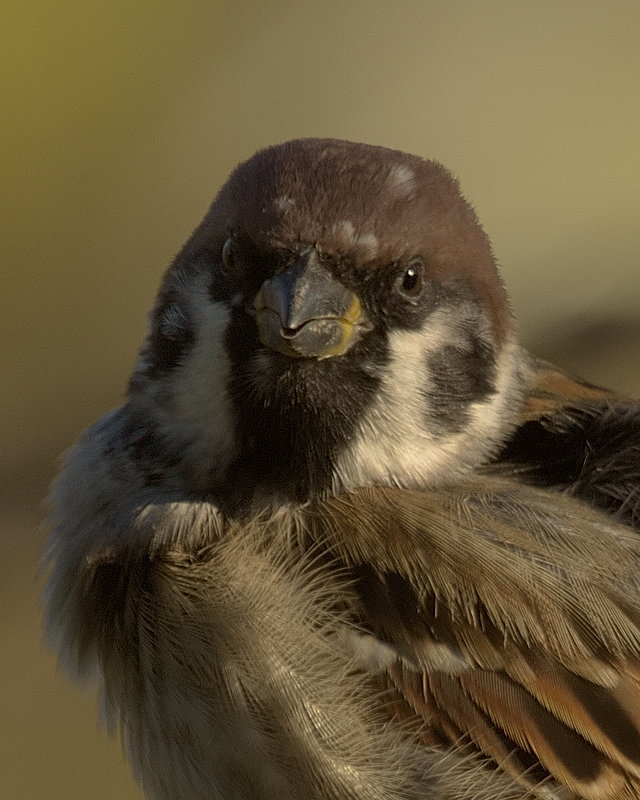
<point>302,444</point>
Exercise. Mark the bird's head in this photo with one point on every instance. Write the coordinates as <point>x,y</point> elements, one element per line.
<point>336,320</point>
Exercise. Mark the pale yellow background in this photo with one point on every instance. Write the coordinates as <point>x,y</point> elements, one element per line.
<point>121,120</point>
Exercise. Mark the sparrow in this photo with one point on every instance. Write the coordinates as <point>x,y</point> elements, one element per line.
<point>346,537</point>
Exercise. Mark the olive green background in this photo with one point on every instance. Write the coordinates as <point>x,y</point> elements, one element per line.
<point>121,120</point>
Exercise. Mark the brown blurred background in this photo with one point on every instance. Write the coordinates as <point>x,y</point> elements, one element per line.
<point>122,120</point>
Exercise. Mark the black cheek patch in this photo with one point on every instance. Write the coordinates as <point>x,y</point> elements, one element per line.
<point>171,339</point>
<point>461,375</point>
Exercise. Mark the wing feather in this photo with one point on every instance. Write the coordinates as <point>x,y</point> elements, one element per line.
<point>580,439</point>
<point>535,597</point>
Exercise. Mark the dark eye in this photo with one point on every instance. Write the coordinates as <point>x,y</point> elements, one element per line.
<point>227,256</point>
<point>412,280</point>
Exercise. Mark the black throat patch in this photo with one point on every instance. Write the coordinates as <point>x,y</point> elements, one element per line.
<point>294,416</point>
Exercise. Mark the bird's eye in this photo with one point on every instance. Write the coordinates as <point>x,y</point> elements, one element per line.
<point>227,256</point>
<point>412,279</point>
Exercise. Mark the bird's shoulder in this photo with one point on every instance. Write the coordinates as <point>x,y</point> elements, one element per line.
<point>579,438</point>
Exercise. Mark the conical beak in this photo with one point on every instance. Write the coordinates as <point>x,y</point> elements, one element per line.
<point>306,313</point>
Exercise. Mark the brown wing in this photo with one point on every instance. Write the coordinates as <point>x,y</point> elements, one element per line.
<point>551,390</point>
<point>580,439</point>
<point>514,614</point>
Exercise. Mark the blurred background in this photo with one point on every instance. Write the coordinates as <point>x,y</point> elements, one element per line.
<point>121,121</point>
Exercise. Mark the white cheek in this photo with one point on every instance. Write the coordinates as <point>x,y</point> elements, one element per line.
<point>394,445</point>
<point>489,418</point>
<point>197,413</point>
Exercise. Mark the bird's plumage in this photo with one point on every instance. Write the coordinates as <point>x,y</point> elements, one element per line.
<point>536,600</point>
<point>346,538</point>
<point>580,439</point>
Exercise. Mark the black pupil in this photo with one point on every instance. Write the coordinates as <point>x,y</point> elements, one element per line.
<point>410,279</point>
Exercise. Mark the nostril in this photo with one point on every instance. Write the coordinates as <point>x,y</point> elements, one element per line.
<point>289,333</point>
